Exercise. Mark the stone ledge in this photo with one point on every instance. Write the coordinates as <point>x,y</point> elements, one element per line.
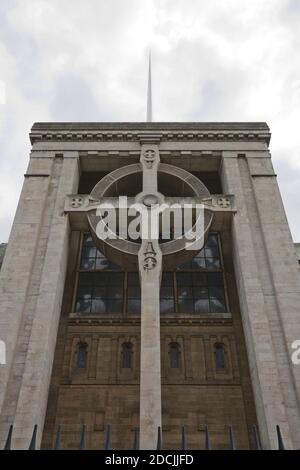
<point>186,131</point>
<point>167,319</point>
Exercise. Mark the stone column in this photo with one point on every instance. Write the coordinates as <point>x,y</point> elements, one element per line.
<point>150,377</point>
<point>150,266</point>
<point>280,272</point>
<point>256,294</point>
<point>31,401</point>
<point>18,269</point>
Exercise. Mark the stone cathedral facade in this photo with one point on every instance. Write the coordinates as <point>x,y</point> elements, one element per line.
<point>215,350</point>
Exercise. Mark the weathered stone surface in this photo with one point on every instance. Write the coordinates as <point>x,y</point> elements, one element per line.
<point>263,289</point>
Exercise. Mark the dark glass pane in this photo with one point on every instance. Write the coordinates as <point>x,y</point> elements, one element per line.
<point>212,263</point>
<point>100,292</point>
<point>211,252</point>
<point>201,292</point>
<point>174,356</point>
<point>126,356</point>
<point>212,240</point>
<point>86,279</point>
<point>215,279</point>
<point>87,240</point>
<point>83,305</point>
<point>84,292</point>
<point>198,263</point>
<point>89,251</point>
<point>99,305</point>
<point>102,263</point>
<point>217,306</point>
<point>199,279</point>
<point>184,279</point>
<point>167,279</point>
<point>216,293</point>
<point>217,299</point>
<point>187,265</point>
<point>220,356</point>
<point>166,291</point>
<point>114,306</point>
<point>185,292</point>
<point>166,305</point>
<point>134,291</point>
<point>116,278</point>
<point>202,306</point>
<point>133,278</point>
<point>115,292</point>
<point>100,279</point>
<point>201,254</point>
<point>186,305</point>
<point>133,306</point>
<point>87,263</point>
<point>82,356</point>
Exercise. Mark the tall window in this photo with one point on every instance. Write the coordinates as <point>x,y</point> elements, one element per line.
<point>200,286</point>
<point>81,360</point>
<point>196,287</point>
<point>220,356</point>
<point>167,293</point>
<point>101,283</point>
<point>174,352</point>
<point>127,356</point>
<point>133,293</point>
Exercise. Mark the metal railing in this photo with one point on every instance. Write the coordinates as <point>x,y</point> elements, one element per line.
<point>135,446</point>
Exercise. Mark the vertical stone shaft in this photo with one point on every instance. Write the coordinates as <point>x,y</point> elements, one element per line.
<point>31,395</point>
<point>150,265</point>
<point>267,282</point>
<point>150,377</point>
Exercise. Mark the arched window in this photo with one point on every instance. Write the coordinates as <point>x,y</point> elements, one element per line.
<point>174,352</point>
<point>82,355</point>
<point>220,356</point>
<point>127,355</point>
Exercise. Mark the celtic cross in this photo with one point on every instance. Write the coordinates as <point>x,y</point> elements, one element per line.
<point>150,256</point>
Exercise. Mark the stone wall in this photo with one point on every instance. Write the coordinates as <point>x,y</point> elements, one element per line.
<point>193,395</point>
<point>263,283</point>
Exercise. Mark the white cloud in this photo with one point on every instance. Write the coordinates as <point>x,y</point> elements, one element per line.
<point>216,60</point>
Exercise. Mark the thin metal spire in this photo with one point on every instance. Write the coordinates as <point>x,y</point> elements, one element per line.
<point>149,94</point>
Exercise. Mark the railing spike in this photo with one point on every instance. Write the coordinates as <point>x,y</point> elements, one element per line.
<point>107,445</point>
<point>159,439</point>
<point>82,438</point>
<point>256,439</point>
<point>207,439</point>
<point>279,438</point>
<point>183,438</point>
<point>57,443</point>
<point>232,445</point>
<point>136,439</point>
<point>32,445</point>
<point>8,439</point>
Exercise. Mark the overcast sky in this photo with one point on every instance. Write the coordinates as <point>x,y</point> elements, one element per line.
<point>216,60</point>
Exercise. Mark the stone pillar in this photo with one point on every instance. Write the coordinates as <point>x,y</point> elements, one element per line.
<point>281,270</point>
<point>15,276</point>
<point>150,377</point>
<point>43,249</point>
<point>259,213</point>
